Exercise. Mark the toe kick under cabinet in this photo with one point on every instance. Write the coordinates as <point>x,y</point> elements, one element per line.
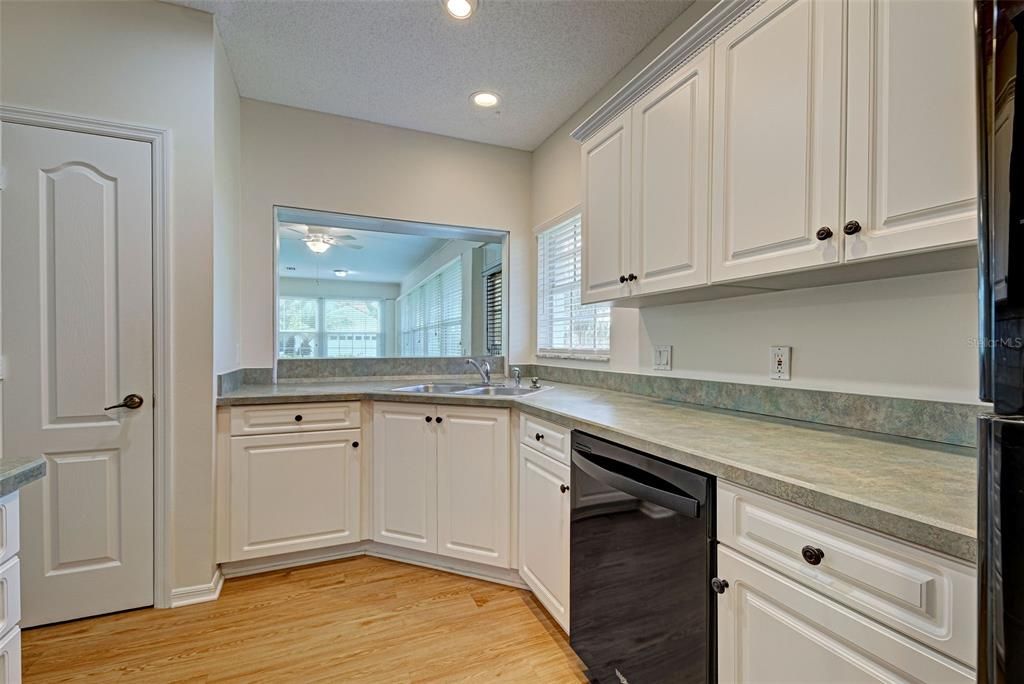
<point>289,478</point>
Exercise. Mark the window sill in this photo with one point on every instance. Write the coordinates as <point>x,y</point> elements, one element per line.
<point>573,356</point>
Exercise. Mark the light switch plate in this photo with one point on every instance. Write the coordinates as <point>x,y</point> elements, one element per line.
<point>663,357</point>
<point>780,361</point>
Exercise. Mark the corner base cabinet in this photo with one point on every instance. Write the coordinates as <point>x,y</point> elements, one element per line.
<point>441,480</point>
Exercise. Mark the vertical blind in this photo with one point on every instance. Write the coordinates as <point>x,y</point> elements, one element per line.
<point>430,314</point>
<point>492,312</point>
<point>565,326</point>
<point>321,327</point>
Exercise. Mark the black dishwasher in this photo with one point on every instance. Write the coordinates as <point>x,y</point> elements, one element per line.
<point>642,557</point>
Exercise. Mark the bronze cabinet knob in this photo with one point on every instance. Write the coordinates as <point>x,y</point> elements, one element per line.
<point>719,585</point>
<point>824,233</point>
<point>812,555</point>
<point>851,227</point>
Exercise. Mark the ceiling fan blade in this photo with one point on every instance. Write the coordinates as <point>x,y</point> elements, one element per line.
<point>350,246</point>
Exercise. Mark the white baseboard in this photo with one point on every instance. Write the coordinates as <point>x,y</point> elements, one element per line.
<point>370,548</point>
<point>186,596</point>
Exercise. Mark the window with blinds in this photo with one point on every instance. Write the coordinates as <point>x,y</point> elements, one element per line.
<point>565,327</point>
<point>319,327</point>
<point>492,312</point>
<point>430,314</point>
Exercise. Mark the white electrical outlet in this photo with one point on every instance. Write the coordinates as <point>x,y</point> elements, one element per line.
<point>780,363</point>
<point>663,357</point>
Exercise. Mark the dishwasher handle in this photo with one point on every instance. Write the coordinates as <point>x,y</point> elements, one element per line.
<point>682,504</point>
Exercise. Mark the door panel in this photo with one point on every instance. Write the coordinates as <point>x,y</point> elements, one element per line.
<point>606,188</point>
<point>671,143</point>
<point>405,475</point>
<point>473,510</point>
<point>544,531</point>
<point>777,129</point>
<point>77,320</point>
<point>912,160</point>
<point>292,492</point>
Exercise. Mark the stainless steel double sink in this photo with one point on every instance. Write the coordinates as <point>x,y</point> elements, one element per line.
<point>475,390</point>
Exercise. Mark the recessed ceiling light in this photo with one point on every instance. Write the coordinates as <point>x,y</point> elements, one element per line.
<point>340,272</point>
<point>484,98</point>
<point>460,9</point>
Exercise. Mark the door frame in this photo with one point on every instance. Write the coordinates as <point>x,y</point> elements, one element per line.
<point>159,141</point>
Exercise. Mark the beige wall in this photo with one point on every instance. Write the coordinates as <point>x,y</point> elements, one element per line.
<point>227,192</point>
<point>306,159</point>
<point>151,64</point>
<point>905,337</point>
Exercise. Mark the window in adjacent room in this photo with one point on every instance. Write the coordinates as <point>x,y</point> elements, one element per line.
<point>492,312</point>
<point>324,327</point>
<point>566,328</point>
<point>430,314</point>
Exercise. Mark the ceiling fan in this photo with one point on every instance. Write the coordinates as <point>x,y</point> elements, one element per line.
<point>319,239</point>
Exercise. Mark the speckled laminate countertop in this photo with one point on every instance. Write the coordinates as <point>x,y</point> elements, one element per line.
<point>16,472</point>
<point>918,491</point>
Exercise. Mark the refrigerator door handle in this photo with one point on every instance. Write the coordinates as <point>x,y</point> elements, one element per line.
<point>983,21</point>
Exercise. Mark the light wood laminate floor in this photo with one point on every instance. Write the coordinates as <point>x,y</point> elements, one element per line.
<point>356,620</point>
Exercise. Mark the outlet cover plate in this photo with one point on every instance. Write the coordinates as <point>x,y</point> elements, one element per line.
<point>780,362</point>
<point>663,357</point>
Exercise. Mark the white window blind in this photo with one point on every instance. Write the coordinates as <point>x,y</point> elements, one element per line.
<point>492,312</point>
<point>318,327</point>
<point>430,314</point>
<point>565,327</point>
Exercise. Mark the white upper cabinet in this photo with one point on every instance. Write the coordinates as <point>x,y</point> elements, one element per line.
<point>671,165</point>
<point>778,140</point>
<point>911,138</point>
<point>405,475</point>
<point>473,484</point>
<point>606,196</point>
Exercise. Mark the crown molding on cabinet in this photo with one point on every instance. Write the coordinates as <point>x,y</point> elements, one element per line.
<point>682,50</point>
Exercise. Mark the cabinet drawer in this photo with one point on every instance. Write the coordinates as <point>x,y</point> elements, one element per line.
<point>925,596</point>
<point>10,525</point>
<point>774,629</point>
<point>10,657</point>
<point>10,594</point>
<point>263,420</point>
<point>545,437</point>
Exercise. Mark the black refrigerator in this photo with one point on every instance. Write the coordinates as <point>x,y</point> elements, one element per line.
<point>999,24</point>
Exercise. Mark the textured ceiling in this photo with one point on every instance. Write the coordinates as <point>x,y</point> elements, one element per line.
<point>407,63</point>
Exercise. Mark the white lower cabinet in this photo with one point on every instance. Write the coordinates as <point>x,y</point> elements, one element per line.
<point>293,491</point>
<point>544,531</point>
<point>473,484</point>
<point>441,480</point>
<point>10,657</point>
<point>773,629</point>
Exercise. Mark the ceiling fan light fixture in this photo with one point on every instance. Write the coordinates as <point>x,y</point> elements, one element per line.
<point>317,244</point>
<point>460,9</point>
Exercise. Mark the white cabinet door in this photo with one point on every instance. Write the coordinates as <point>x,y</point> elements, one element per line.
<point>777,140</point>
<point>605,228</point>
<point>473,484</point>
<point>544,531</point>
<point>911,165</point>
<point>671,167</point>
<point>292,492</point>
<point>405,475</point>
<point>772,629</point>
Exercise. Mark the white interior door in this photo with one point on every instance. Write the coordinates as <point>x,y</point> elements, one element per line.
<point>77,321</point>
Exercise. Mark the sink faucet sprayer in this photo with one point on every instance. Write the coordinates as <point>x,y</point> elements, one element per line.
<point>484,369</point>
